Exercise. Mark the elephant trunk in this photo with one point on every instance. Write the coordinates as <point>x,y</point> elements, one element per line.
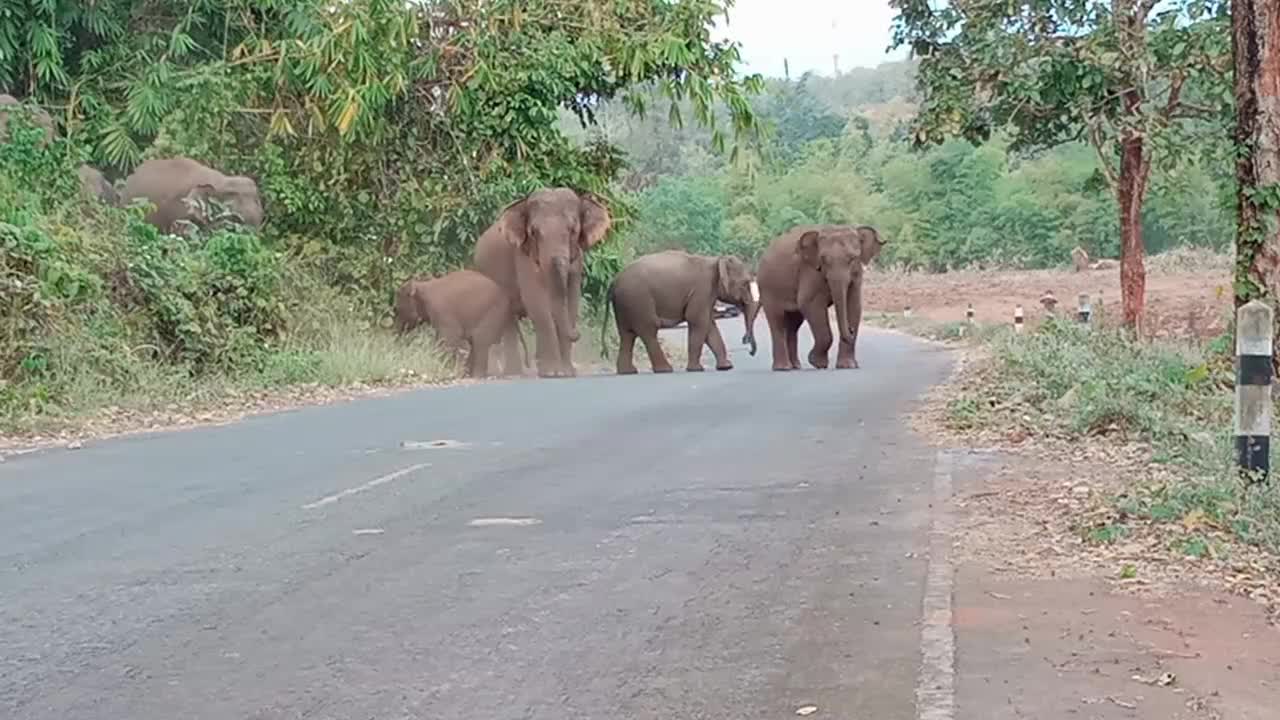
<point>840,295</point>
<point>560,297</point>
<point>749,319</point>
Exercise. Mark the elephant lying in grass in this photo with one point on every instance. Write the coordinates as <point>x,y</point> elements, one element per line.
<point>467,310</point>
<point>183,190</point>
<point>663,289</point>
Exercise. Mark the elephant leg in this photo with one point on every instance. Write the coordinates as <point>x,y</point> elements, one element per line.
<point>793,322</point>
<point>512,363</point>
<point>479,358</point>
<point>820,325</point>
<point>626,351</point>
<point>715,341</point>
<point>657,359</point>
<point>698,332</point>
<point>847,358</point>
<point>777,320</point>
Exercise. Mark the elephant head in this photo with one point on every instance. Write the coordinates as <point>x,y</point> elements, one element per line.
<point>552,229</point>
<point>838,253</point>
<point>232,197</point>
<point>737,285</point>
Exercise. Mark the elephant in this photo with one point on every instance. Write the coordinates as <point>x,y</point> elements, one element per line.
<point>1079,259</point>
<point>535,252</point>
<point>805,271</point>
<point>181,189</point>
<point>38,116</point>
<point>465,307</point>
<point>661,290</point>
<point>95,186</point>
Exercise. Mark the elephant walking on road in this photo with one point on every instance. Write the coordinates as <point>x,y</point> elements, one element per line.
<point>807,270</point>
<point>534,252</point>
<point>663,289</point>
<point>467,310</point>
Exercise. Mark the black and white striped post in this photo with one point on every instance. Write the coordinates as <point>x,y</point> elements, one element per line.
<point>1083,310</point>
<point>1017,318</point>
<point>906,311</point>
<point>968,314</point>
<point>1253,390</point>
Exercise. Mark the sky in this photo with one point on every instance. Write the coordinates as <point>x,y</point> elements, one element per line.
<point>809,32</point>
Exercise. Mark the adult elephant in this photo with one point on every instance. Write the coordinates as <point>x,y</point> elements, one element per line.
<point>661,290</point>
<point>94,186</point>
<point>803,273</point>
<point>534,251</point>
<point>180,189</point>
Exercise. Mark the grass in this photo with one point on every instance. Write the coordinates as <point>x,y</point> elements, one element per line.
<point>1085,385</point>
<point>339,353</point>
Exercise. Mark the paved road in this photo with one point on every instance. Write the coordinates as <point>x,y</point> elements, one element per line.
<point>723,545</point>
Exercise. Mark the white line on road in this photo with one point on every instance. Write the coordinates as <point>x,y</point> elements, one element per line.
<point>367,486</point>
<point>936,686</point>
<point>516,521</point>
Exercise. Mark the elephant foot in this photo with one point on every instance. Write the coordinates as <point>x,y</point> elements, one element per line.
<point>694,368</point>
<point>627,371</point>
<point>846,365</point>
<point>724,367</point>
<point>663,370</point>
<point>783,368</point>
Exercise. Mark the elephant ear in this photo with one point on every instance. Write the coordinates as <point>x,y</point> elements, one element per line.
<point>514,223</point>
<point>724,268</point>
<point>594,220</point>
<point>869,243</point>
<point>808,249</point>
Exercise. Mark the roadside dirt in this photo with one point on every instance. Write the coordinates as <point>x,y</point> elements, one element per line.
<point>1188,294</point>
<point>1044,630</point>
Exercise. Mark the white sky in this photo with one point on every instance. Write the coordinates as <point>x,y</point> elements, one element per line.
<point>802,32</point>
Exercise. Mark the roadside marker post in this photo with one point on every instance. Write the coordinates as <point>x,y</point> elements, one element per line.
<point>1017,318</point>
<point>1254,335</point>
<point>906,311</point>
<point>1084,311</point>
<point>968,314</point>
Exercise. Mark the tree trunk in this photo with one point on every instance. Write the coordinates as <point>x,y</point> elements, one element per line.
<point>1131,192</point>
<point>1256,45</point>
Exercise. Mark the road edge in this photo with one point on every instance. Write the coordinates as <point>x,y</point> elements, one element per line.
<point>935,687</point>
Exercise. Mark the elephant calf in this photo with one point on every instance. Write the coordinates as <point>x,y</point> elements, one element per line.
<point>466,308</point>
<point>663,289</point>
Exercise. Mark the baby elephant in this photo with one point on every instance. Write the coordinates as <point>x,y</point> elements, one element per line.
<point>466,308</point>
<point>660,290</point>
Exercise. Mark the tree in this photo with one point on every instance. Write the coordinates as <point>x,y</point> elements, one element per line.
<point>1126,77</point>
<point>1256,46</point>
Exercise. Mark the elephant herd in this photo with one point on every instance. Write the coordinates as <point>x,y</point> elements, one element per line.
<point>182,192</point>
<point>529,264</point>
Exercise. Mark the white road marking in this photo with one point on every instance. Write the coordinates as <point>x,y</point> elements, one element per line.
<point>368,531</point>
<point>936,686</point>
<point>431,445</point>
<point>511,521</point>
<point>367,486</point>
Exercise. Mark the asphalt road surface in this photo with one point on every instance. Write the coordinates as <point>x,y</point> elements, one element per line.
<point>719,545</point>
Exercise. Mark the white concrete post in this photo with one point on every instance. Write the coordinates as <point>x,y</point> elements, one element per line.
<point>1253,390</point>
<point>968,314</point>
<point>1083,309</point>
<point>1017,318</point>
